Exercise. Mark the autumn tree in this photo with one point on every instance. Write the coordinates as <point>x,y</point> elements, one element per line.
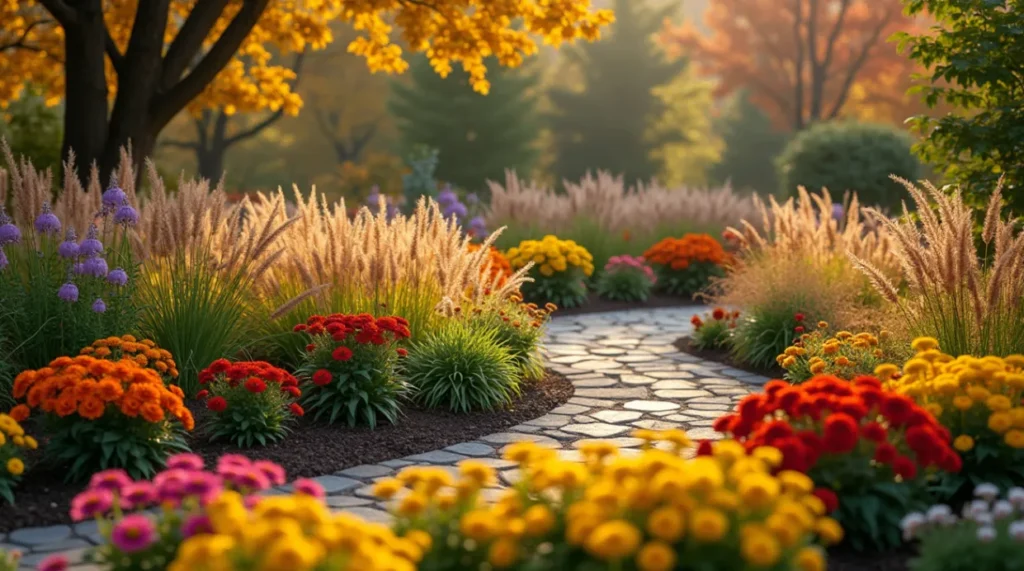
<point>801,60</point>
<point>125,68</point>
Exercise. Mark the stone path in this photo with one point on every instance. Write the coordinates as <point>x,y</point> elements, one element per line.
<point>627,375</point>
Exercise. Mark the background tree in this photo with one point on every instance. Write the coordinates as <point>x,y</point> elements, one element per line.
<point>606,124</point>
<point>159,57</point>
<point>976,58</point>
<point>477,137</point>
<point>33,130</point>
<point>689,144</point>
<point>751,144</point>
<point>799,59</point>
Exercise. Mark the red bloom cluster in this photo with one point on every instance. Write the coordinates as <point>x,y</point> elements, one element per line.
<point>827,416</point>
<point>363,328</point>
<point>253,376</point>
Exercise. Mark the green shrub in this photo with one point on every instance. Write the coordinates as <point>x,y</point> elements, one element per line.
<point>714,331</point>
<point>519,328</point>
<point>843,156</point>
<point>626,278</point>
<point>252,402</point>
<point>765,332</point>
<point>462,366</point>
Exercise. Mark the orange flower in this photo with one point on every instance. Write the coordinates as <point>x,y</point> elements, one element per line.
<point>60,362</point>
<point>141,360</point>
<point>128,338</point>
<point>102,352</point>
<point>679,253</point>
<point>500,269</point>
<point>184,415</point>
<point>161,366</point>
<point>131,406</point>
<point>91,408</point>
<point>20,413</point>
<point>109,389</point>
<point>152,412</point>
<point>86,388</point>
<point>66,405</point>
<point>87,350</point>
<point>176,391</point>
<point>99,367</point>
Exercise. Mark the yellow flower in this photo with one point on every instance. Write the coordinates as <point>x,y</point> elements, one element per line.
<point>788,362</point>
<point>810,559</point>
<point>963,402</point>
<point>31,443</point>
<point>916,367</point>
<point>886,371</point>
<point>412,504</point>
<point>539,520</point>
<point>387,488</point>
<point>963,443</point>
<point>1000,422</point>
<point>666,523</point>
<point>478,525</point>
<point>794,481</point>
<point>760,549</point>
<point>979,394</point>
<point>292,553</point>
<point>924,344</point>
<point>829,531</point>
<point>998,403</point>
<point>15,466</point>
<point>420,538</point>
<point>822,325</point>
<point>477,471</point>
<point>503,553</point>
<point>3,439</point>
<point>758,490</point>
<point>818,367</point>
<point>708,525</point>
<point>613,540</point>
<point>546,270</point>
<point>1014,438</point>
<point>656,556</point>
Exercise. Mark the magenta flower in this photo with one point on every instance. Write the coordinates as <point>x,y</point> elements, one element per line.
<point>245,478</point>
<point>232,460</point>
<point>133,533</point>
<point>113,480</point>
<point>91,503</point>
<point>186,461</point>
<point>274,472</point>
<point>55,562</point>
<point>196,524</point>
<point>138,495</point>
<point>203,485</point>
<point>309,488</point>
<point>170,485</point>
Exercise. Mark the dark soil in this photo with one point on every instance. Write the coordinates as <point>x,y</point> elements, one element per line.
<point>597,304</point>
<point>843,559</point>
<point>685,344</point>
<point>314,449</point>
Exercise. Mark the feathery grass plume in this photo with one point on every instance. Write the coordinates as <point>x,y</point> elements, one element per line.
<point>369,263</point>
<point>971,302</point>
<point>607,217</point>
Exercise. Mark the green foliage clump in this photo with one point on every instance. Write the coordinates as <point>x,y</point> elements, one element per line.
<point>842,156</point>
<point>519,328</point>
<point>34,131</point>
<point>462,367</point>
<point>419,181</point>
<point>714,331</point>
<point>766,331</point>
<point>252,402</point>
<point>751,145</point>
<point>626,278</point>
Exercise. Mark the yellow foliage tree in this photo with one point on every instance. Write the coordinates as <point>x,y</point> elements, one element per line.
<point>125,68</point>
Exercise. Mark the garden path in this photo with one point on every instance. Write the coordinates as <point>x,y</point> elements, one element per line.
<point>627,375</point>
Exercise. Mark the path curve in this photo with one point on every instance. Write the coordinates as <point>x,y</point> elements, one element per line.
<point>627,375</point>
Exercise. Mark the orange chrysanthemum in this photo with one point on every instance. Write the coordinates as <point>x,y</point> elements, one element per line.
<point>679,253</point>
<point>144,352</point>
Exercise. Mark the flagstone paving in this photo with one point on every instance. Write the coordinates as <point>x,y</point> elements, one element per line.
<point>627,375</point>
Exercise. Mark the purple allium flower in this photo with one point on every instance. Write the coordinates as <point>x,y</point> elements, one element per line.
<point>309,488</point>
<point>68,292</point>
<point>274,472</point>
<point>9,233</point>
<point>113,480</point>
<point>838,211</point>
<point>91,246</point>
<point>47,222</point>
<point>184,461</point>
<point>447,196</point>
<point>69,247</point>
<point>95,267</point>
<point>99,306</point>
<point>196,524</point>
<point>119,277</point>
<point>55,562</point>
<point>126,215</point>
<point>133,533</point>
<point>478,226</point>
<point>3,259</point>
<point>472,199</point>
<point>138,495</point>
<point>114,197</point>
<point>457,209</point>
<point>91,503</point>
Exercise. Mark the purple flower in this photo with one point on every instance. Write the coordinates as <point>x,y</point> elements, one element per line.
<point>138,495</point>
<point>185,461</point>
<point>114,197</point>
<point>99,306</point>
<point>478,226</point>
<point>133,533</point>
<point>457,209</point>
<point>3,259</point>
<point>113,480</point>
<point>91,246</point>
<point>9,233</point>
<point>309,488</point>
<point>447,197</point>
<point>126,215</point>
<point>273,472</point>
<point>55,562</point>
<point>837,211</point>
<point>95,267</point>
<point>68,292</point>
<point>91,503</point>
<point>119,277</point>
<point>472,199</point>
<point>69,247</point>
<point>47,222</point>
<point>196,524</point>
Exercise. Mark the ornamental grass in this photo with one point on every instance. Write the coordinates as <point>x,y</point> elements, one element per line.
<point>971,301</point>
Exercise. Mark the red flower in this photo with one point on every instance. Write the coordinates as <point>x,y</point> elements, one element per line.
<point>874,432</point>
<point>774,387</point>
<point>866,381</point>
<point>315,329</point>
<point>750,408</point>
<point>217,404</point>
<point>296,409</point>
<point>840,433</point>
<point>794,454</point>
<point>255,385</point>
<point>236,372</point>
<point>402,352</point>
<point>292,390</point>
<point>897,408</point>
<point>724,423</point>
<point>799,329</point>
<point>299,327</point>
<point>718,314</point>
<point>777,429</point>
<point>322,377</point>
<point>310,348</point>
<point>202,394</point>
<point>885,453</point>
<point>853,407</point>
<point>799,317</point>
<point>341,354</point>
<point>704,448</point>
<point>205,377</point>
<point>339,336</point>
<point>827,497</point>
<point>696,321</point>
<point>365,336</point>
<point>219,366</point>
<point>904,467</point>
<point>378,339</point>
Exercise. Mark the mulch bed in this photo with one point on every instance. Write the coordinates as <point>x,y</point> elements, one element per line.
<point>597,304</point>
<point>314,449</point>
<point>685,344</point>
<point>843,559</point>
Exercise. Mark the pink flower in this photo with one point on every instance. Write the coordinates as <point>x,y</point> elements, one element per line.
<point>202,485</point>
<point>55,562</point>
<point>133,533</point>
<point>91,503</point>
<point>196,524</point>
<point>111,480</point>
<point>232,460</point>
<point>170,485</point>
<point>309,488</point>
<point>186,461</point>
<point>274,472</point>
<point>138,495</point>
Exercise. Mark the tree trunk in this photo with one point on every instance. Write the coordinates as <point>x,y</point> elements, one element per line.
<point>85,114</point>
<point>211,163</point>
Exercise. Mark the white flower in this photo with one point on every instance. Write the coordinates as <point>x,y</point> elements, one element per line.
<point>983,519</point>
<point>910,523</point>
<point>1002,509</point>
<point>1016,497</point>
<point>938,513</point>
<point>975,508</point>
<point>1016,530</point>
<point>986,534</point>
<point>988,492</point>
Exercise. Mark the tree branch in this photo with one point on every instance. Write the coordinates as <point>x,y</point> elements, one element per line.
<point>856,66</point>
<point>798,98</point>
<point>178,144</point>
<point>189,40</point>
<point>833,37</point>
<point>61,12</point>
<point>115,55</point>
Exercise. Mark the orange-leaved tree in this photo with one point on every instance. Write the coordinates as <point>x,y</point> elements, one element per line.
<point>126,67</point>
<point>804,61</point>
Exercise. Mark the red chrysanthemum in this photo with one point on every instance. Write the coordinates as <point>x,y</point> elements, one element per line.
<point>255,385</point>
<point>829,498</point>
<point>202,394</point>
<point>840,433</point>
<point>292,390</point>
<point>885,453</point>
<point>217,404</point>
<point>296,409</point>
<point>322,377</point>
<point>341,354</point>
<point>402,352</point>
<point>904,467</point>
<point>874,432</point>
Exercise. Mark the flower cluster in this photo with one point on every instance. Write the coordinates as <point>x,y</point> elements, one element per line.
<point>686,265</point>
<point>373,201</point>
<point>560,270</point>
<point>844,354</point>
<point>13,443</point>
<point>453,208</point>
<point>144,352</point>
<point>296,532</point>
<point>714,330</point>
<point>626,278</point>
<point>651,512</point>
<point>252,401</point>
<point>350,363</point>
<point>496,270</point>
<point>988,535</point>
<point>104,413</point>
<point>867,449</point>
<point>979,400</point>
<point>520,329</point>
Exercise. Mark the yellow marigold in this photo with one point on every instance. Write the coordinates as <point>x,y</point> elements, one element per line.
<point>614,540</point>
<point>963,443</point>
<point>924,344</point>
<point>760,548</point>
<point>666,523</point>
<point>1014,438</point>
<point>708,525</point>
<point>810,559</point>
<point>503,553</point>
<point>478,525</point>
<point>656,556</point>
<point>829,531</point>
<point>15,466</point>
